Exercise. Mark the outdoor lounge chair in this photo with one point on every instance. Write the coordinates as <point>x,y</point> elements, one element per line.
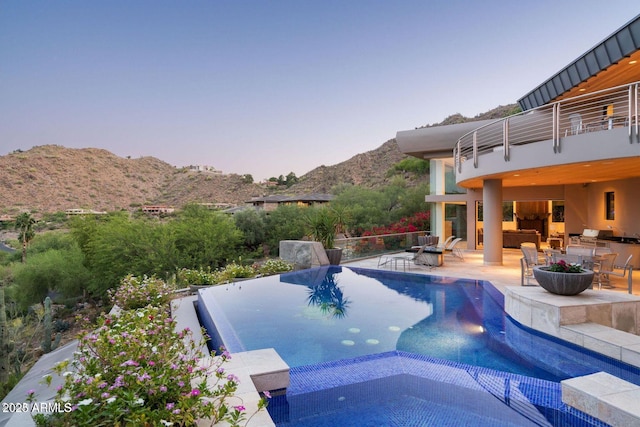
<point>393,259</point>
<point>444,244</point>
<point>454,249</point>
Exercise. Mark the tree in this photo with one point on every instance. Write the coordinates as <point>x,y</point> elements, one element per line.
<point>57,270</point>
<point>287,222</point>
<point>252,225</point>
<point>25,223</point>
<point>291,179</point>
<point>247,178</point>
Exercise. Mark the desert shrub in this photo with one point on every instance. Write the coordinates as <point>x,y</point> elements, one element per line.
<point>137,292</point>
<point>274,266</point>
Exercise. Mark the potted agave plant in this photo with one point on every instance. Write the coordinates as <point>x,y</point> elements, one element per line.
<point>323,225</point>
<point>562,278</point>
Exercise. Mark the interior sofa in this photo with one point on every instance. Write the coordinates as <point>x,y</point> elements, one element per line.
<point>514,238</point>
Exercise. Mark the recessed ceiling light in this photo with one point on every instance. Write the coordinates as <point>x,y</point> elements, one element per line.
<point>632,62</point>
<point>581,89</point>
<point>586,166</point>
<point>516,174</point>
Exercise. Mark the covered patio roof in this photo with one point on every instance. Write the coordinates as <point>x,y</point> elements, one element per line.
<point>434,142</point>
<point>613,62</point>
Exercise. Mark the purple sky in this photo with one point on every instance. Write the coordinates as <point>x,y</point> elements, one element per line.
<point>272,87</point>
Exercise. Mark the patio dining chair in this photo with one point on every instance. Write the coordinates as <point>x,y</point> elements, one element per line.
<point>606,271</point>
<point>428,240</point>
<point>529,260</point>
<point>551,254</point>
<point>602,267</point>
<point>576,125</point>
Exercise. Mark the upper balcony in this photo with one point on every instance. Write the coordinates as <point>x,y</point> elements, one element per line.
<point>588,138</point>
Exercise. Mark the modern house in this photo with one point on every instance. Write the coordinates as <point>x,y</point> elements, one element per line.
<point>569,162</point>
<point>270,203</point>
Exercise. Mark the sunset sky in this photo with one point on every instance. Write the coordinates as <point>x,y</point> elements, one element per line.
<point>272,87</point>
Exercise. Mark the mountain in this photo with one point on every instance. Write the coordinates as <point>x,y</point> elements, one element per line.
<point>52,178</point>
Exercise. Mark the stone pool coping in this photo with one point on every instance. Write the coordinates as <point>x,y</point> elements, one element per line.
<point>604,322</point>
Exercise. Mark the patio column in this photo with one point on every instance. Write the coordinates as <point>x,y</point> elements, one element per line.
<point>492,221</point>
<point>437,187</point>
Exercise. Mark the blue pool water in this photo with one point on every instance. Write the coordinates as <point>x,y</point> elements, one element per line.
<point>323,319</point>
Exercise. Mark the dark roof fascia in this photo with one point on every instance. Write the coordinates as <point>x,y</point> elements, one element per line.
<point>612,49</point>
<point>268,199</point>
<point>313,197</point>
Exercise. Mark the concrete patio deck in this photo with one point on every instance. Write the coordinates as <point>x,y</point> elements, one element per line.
<point>472,267</point>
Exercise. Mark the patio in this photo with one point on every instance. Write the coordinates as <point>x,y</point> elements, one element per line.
<point>473,268</point>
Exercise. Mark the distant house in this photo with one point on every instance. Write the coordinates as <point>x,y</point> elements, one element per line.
<point>83,212</point>
<point>310,199</point>
<point>157,209</point>
<point>269,203</point>
<point>204,168</point>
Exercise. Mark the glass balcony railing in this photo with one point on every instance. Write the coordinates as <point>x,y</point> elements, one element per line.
<point>369,246</point>
<point>594,112</point>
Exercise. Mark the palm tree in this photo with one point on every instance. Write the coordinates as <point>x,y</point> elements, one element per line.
<point>24,223</point>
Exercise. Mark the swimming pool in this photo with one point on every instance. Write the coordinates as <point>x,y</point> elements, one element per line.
<point>333,313</point>
<point>329,323</point>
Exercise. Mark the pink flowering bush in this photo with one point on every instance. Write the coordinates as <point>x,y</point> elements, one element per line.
<point>417,222</point>
<point>135,292</point>
<point>135,369</point>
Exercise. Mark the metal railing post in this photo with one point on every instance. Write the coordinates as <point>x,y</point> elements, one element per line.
<point>556,120</point>
<point>475,150</point>
<point>630,114</point>
<point>553,127</point>
<point>635,91</point>
<point>505,139</point>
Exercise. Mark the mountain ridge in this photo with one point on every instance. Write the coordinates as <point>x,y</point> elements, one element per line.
<point>52,178</point>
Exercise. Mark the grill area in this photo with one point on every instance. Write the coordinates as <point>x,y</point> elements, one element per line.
<point>590,237</point>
